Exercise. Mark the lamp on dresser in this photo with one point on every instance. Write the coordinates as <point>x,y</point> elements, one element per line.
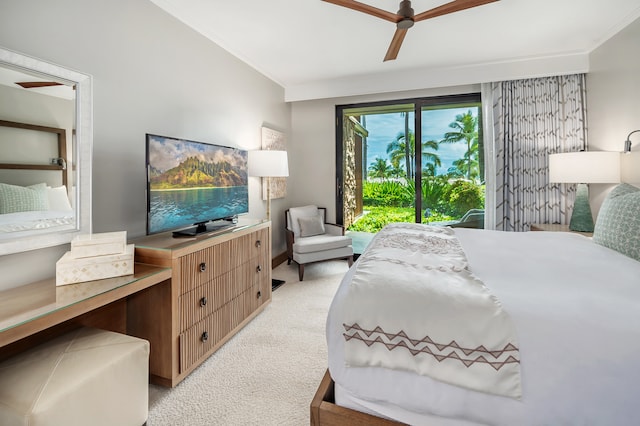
<point>584,167</point>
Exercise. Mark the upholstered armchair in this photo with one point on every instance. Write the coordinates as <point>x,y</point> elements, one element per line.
<point>311,239</point>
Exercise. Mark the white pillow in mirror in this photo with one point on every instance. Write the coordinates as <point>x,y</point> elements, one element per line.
<point>59,199</point>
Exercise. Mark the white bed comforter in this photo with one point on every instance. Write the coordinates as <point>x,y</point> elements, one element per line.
<point>576,308</point>
<point>414,305</point>
<point>23,223</point>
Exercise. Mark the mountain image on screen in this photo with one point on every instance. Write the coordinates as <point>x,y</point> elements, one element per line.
<point>193,173</point>
<point>192,183</point>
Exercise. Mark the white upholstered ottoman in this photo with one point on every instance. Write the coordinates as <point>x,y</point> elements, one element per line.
<point>86,377</point>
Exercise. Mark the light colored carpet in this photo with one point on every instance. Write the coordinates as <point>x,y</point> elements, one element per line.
<point>268,373</point>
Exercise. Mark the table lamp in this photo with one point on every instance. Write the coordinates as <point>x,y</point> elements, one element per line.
<point>584,167</point>
<point>268,164</point>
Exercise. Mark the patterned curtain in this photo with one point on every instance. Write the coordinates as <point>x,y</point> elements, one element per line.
<point>532,119</point>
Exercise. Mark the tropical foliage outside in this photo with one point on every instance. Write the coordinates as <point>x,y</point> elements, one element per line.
<point>389,191</point>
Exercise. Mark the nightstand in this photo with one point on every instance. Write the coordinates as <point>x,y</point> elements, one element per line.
<point>554,227</point>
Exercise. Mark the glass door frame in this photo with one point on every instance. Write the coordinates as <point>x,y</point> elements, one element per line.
<point>419,104</point>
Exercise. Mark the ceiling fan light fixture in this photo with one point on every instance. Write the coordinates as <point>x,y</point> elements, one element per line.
<point>405,24</point>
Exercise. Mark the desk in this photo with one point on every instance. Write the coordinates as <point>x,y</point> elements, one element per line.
<point>36,308</point>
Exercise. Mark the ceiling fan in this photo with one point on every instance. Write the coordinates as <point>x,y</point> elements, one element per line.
<point>34,84</point>
<point>405,18</point>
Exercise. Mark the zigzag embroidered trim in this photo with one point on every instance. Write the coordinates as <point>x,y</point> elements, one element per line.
<point>432,348</point>
<point>441,268</point>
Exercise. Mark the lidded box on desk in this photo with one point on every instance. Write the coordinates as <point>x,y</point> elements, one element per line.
<point>104,243</point>
<point>95,257</point>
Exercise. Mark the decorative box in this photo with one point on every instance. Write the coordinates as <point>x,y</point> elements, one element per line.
<point>71,270</point>
<point>89,245</point>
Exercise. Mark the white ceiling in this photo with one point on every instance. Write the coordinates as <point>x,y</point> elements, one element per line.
<point>316,49</point>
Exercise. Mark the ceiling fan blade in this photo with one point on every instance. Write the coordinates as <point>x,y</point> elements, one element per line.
<point>451,7</point>
<point>34,84</point>
<point>396,42</point>
<point>365,8</point>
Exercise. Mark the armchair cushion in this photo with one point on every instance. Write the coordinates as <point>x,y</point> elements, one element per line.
<point>310,226</point>
<point>320,243</point>
<point>297,212</point>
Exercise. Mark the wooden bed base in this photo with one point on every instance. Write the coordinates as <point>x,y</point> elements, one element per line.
<point>325,412</point>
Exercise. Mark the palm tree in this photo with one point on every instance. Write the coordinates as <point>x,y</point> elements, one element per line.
<point>397,150</point>
<point>465,129</point>
<point>430,160</point>
<point>379,168</point>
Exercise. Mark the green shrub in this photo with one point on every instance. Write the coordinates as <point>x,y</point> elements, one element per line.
<point>434,189</point>
<point>462,196</point>
<point>377,217</point>
<point>386,193</point>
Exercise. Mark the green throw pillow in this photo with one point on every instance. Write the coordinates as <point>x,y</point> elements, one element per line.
<point>618,223</point>
<point>15,199</point>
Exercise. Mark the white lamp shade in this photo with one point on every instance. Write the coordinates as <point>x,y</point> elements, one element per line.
<point>630,172</point>
<point>267,163</point>
<point>585,167</point>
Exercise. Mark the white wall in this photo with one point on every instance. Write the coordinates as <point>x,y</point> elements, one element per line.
<point>312,155</point>
<point>151,74</point>
<point>613,97</point>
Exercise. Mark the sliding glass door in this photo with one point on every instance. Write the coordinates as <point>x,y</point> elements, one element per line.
<point>403,161</point>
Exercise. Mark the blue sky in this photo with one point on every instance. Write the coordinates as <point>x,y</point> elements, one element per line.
<point>383,128</point>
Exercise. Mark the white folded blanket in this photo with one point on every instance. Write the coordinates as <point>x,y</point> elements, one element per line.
<point>414,305</point>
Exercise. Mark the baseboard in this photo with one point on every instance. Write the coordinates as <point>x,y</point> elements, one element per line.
<point>279,259</point>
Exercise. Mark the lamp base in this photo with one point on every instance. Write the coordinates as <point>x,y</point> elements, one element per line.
<point>275,283</point>
<point>581,218</point>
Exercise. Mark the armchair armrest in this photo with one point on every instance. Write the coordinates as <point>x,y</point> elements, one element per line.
<point>290,240</point>
<point>333,229</point>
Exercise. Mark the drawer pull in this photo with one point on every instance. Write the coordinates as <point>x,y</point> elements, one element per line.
<point>258,268</point>
<point>203,267</point>
<point>203,301</point>
<point>204,337</point>
<point>259,294</point>
<point>258,243</point>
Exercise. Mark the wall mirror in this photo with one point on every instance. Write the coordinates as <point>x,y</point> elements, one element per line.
<point>46,133</point>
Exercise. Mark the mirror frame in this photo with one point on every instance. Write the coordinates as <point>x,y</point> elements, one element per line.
<point>83,148</point>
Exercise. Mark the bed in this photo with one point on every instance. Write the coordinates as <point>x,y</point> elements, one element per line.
<point>34,177</point>
<point>573,303</point>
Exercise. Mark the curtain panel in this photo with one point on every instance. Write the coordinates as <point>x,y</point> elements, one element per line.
<point>533,118</point>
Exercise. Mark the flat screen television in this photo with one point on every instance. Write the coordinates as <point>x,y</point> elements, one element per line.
<point>194,187</point>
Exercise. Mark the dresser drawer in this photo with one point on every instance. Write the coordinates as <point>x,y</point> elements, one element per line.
<point>203,336</point>
<point>207,298</point>
<point>201,266</point>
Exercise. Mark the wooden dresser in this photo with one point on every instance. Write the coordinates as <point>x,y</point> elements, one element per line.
<point>219,282</point>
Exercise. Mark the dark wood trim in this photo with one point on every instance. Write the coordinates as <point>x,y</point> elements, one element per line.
<point>62,149</point>
<point>325,412</point>
<point>278,260</point>
<point>339,166</point>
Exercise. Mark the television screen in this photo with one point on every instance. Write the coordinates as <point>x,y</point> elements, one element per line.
<point>192,183</point>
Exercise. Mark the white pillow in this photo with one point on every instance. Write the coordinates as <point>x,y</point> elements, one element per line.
<point>59,199</point>
<point>310,226</point>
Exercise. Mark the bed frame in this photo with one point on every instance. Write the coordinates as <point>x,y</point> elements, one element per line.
<point>62,149</point>
<point>325,412</point>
